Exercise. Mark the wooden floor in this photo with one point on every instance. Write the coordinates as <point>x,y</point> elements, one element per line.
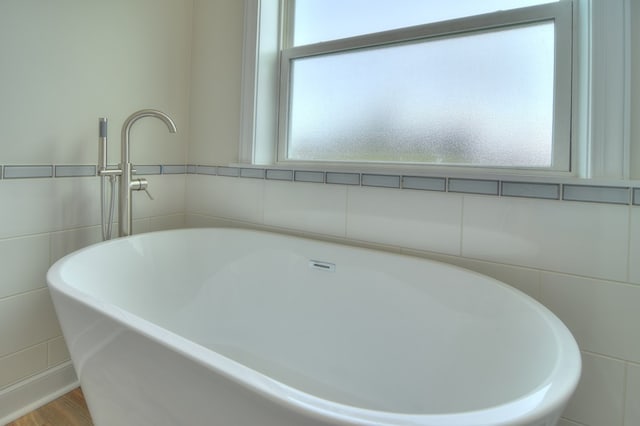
<point>68,410</point>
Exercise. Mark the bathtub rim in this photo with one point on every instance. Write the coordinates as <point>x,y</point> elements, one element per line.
<point>556,393</point>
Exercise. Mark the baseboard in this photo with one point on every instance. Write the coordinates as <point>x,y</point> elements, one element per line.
<point>34,392</point>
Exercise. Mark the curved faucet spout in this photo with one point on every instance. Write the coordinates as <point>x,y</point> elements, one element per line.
<point>126,128</point>
<point>125,217</point>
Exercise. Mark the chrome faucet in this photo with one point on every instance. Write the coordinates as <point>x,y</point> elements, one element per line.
<point>125,171</point>
<point>127,183</point>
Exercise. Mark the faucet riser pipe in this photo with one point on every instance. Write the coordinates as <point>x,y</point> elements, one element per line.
<point>125,214</point>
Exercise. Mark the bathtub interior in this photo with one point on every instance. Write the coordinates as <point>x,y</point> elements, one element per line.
<point>380,332</point>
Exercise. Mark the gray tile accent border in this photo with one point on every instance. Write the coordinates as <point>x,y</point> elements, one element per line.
<point>340,178</point>
<point>75,171</point>
<point>305,176</point>
<point>252,173</point>
<point>548,191</point>
<point>606,194</point>
<point>474,186</point>
<point>382,181</point>
<point>228,171</point>
<point>26,172</point>
<point>276,174</point>
<point>146,169</point>
<point>207,170</point>
<point>596,194</point>
<point>424,183</point>
<point>174,169</point>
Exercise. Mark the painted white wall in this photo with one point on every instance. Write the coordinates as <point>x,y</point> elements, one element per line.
<point>64,64</point>
<point>216,74</point>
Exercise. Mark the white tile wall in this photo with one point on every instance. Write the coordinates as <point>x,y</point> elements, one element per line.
<point>632,403</point>
<point>307,207</point>
<point>22,364</point>
<point>26,320</point>
<point>231,198</point>
<point>577,238</point>
<point>414,219</point>
<point>598,401</point>
<point>57,351</point>
<point>24,263</point>
<point>526,280</point>
<point>65,242</point>
<point>603,316</point>
<point>634,246</point>
<point>565,422</point>
<point>168,192</point>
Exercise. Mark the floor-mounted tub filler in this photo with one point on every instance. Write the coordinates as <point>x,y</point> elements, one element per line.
<point>232,327</point>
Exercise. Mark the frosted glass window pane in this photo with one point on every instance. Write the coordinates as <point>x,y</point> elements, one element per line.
<point>480,99</point>
<point>323,20</point>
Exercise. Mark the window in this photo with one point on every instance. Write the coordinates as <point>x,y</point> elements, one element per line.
<point>492,85</point>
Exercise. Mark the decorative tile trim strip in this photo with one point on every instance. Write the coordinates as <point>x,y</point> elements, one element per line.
<point>252,173</point>
<point>207,170</point>
<point>606,194</point>
<point>228,171</point>
<point>147,169</point>
<point>343,178</point>
<point>75,171</point>
<point>273,174</point>
<point>26,172</point>
<point>424,183</point>
<point>536,190</point>
<point>548,191</point>
<point>382,181</point>
<point>596,194</point>
<point>304,176</point>
<point>173,169</point>
<point>474,186</point>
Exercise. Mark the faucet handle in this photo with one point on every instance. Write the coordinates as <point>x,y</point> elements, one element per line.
<point>149,194</point>
<point>141,185</point>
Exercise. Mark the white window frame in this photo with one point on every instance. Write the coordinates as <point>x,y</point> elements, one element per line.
<point>600,81</point>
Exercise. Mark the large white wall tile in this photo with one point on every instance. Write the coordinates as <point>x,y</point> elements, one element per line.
<point>168,192</point>
<point>57,351</point>
<point>308,207</point>
<point>225,197</point>
<point>526,280</point>
<point>603,316</point>
<point>74,202</point>
<point>599,396</point>
<point>413,219</point>
<point>162,223</point>
<point>26,320</point>
<point>24,262</point>
<point>632,404</point>
<point>26,207</point>
<point>20,365</point>
<point>565,422</point>
<point>634,246</point>
<point>577,238</point>
<point>65,242</point>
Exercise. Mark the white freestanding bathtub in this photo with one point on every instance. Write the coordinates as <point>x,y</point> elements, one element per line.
<point>242,328</point>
